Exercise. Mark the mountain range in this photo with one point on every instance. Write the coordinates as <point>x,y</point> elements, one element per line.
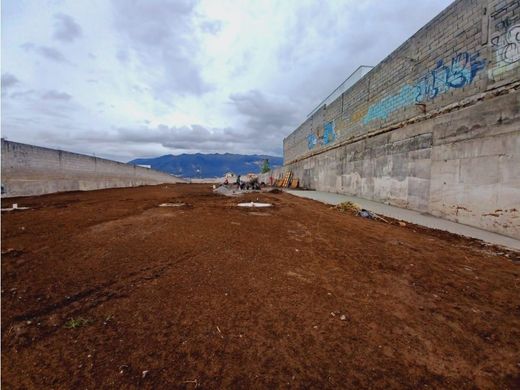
<point>208,165</point>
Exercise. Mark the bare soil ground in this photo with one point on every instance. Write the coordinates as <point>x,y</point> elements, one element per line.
<point>208,295</point>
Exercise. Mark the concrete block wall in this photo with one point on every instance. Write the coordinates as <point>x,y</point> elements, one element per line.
<point>435,127</point>
<point>471,47</point>
<point>33,170</point>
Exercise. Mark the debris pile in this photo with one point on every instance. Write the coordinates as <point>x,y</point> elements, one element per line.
<point>356,209</point>
<point>348,207</point>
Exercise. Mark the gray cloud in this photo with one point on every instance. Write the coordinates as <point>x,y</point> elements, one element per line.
<point>160,33</point>
<point>46,52</point>
<point>8,81</point>
<point>65,28</point>
<point>265,113</point>
<point>55,95</point>
<point>23,94</point>
<point>177,139</point>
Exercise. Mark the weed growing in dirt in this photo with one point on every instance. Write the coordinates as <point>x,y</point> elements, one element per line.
<point>74,323</point>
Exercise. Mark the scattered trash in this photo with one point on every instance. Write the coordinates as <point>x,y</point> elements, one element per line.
<point>172,204</point>
<point>343,317</point>
<point>401,223</point>
<point>15,207</point>
<point>145,373</point>
<point>364,213</point>
<point>254,204</point>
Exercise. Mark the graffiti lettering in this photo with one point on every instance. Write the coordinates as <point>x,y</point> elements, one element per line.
<point>457,74</point>
<point>506,44</point>
<point>512,48</point>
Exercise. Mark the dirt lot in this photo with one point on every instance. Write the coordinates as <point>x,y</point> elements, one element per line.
<point>211,296</point>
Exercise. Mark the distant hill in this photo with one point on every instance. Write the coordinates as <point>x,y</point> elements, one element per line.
<point>208,165</point>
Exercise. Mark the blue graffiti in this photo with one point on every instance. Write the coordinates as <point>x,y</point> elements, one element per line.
<point>459,73</point>
<point>312,141</point>
<point>387,105</point>
<point>329,135</point>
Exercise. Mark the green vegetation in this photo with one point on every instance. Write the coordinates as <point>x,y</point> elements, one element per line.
<point>266,167</point>
<point>74,323</point>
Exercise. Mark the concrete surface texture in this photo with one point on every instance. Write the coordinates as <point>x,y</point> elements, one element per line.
<point>435,127</point>
<point>33,170</point>
<point>412,217</point>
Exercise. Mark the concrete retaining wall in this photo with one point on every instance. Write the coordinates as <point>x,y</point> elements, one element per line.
<point>463,166</point>
<point>33,170</point>
<point>435,127</point>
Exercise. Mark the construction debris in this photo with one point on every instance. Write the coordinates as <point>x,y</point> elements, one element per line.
<point>356,209</point>
<point>254,204</point>
<point>287,181</point>
<point>364,213</point>
<point>15,207</point>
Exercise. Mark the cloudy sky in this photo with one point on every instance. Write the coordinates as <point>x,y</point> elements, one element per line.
<point>125,79</point>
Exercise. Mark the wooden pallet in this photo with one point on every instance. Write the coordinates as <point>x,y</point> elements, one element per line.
<point>286,179</point>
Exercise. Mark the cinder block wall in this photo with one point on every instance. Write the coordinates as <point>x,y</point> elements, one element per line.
<point>434,127</point>
<point>33,170</point>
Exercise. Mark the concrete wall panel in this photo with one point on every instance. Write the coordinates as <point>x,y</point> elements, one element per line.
<point>32,170</point>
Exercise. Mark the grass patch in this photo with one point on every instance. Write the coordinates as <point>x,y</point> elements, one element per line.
<point>78,322</point>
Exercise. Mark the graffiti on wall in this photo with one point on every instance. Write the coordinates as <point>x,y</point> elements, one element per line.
<point>506,46</point>
<point>358,115</point>
<point>389,104</point>
<point>460,71</point>
<point>329,136</point>
<point>312,141</point>
<point>329,133</point>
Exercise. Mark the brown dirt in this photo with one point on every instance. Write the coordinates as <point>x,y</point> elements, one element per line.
<point>211,296</point>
